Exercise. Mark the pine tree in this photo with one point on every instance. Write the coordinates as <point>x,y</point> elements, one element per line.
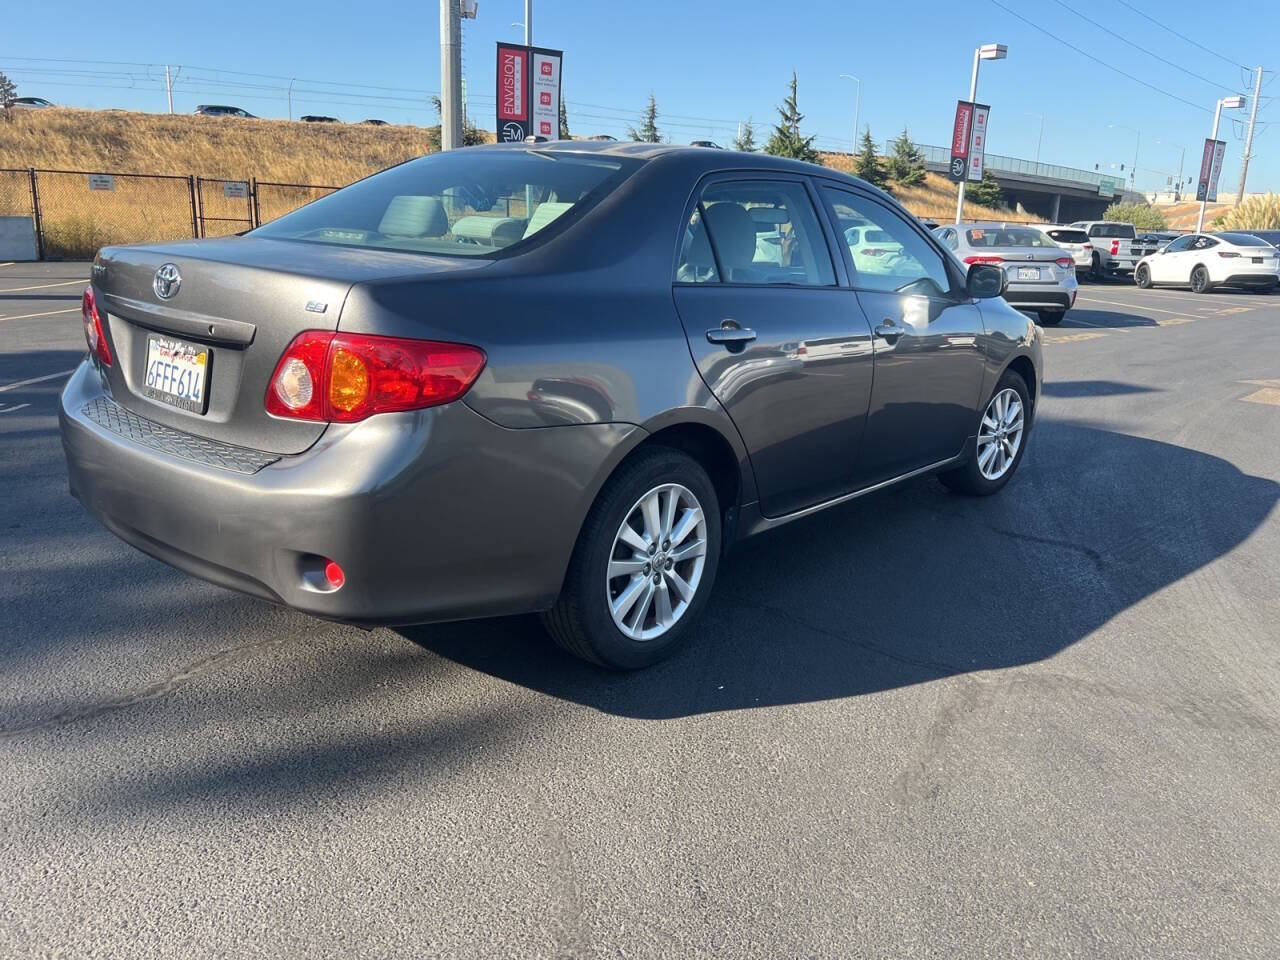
<point>985,192</point>
<point>7,90</point>
<point>648,130</point>
<point>906,163</point>
<point>564,121</point>
<point>786,140</point>
<point>746,138</point>
<point>866,164</point>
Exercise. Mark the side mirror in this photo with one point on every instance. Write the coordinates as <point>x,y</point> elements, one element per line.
<point>985,281</point>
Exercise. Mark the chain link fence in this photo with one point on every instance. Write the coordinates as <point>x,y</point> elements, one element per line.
<point>76,212</point>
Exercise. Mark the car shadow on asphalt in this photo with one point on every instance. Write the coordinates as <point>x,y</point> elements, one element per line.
<point>917,583</point>
<point>1093,388</point>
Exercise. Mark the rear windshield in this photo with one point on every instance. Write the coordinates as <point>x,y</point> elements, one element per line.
<point>1121,231</point>
<point>1068,236</point>
<point>1007,237</point>
<point>464,203</point>
<point>1243,240</point>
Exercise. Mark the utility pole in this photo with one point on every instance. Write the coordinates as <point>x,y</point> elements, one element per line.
<point>168,85</point>
<point>1248,140</point>
<point>450,75</point>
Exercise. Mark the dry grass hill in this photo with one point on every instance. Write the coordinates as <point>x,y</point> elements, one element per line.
<point>77,221</point>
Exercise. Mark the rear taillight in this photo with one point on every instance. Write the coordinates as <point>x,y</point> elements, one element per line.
<point>94,333</point>
<point>1088,247</point>
<point>1115,247</point>
<point>984,259</point>
<point>1227,253</point>
<point>1065,262</point>
<point>345,377</point>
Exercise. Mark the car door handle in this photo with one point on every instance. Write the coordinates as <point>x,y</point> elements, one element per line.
<point>731,335</point>
<point>888,329</point>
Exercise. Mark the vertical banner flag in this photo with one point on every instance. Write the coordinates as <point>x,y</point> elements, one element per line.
<point>961,134</point>
<point>528,93</point>
<point>545,91</point>
<point>1219,150</point>
<point>513,93</point>
<point>978,141</point>
<point>1207,159</point>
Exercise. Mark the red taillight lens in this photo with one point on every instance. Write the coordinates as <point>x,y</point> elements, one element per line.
<point>333,573</point>
<point>1065,262</point>
<point>1227,253</point>
<point>1088,247</point>
<point>984,259</point>
<point>345,377</point>
<point>94,333</point>
<point>1115,247</point>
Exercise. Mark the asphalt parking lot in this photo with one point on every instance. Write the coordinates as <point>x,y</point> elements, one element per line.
<point>1044,724</point>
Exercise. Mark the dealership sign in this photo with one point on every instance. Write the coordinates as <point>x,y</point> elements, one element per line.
<point>978,141</point>
<point>1210,170</point>
<point>968,141</point>
<point>528,93</point>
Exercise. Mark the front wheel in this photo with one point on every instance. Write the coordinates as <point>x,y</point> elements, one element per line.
<point>644,564</point>
<point>1142,276</point>
<point>1002,434</point>
<point>1200,280</point>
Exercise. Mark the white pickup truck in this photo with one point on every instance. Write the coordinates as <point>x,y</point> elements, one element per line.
<point>1116,248</point>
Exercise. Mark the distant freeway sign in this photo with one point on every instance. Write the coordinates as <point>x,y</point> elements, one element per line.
<point>1107,187</point>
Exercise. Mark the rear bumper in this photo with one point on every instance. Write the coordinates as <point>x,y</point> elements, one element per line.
<point>1266,279</point>
<point>1048,298</point>
<point>433,515</point>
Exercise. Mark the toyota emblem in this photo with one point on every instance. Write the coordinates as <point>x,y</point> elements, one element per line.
<point>167,281</point>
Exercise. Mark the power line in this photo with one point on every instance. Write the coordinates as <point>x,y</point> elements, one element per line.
<point>1165,60</point>
<point>1180,36</point>
<point>1100,62</point>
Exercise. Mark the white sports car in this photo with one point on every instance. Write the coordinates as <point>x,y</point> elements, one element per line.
<point>1207,260</point>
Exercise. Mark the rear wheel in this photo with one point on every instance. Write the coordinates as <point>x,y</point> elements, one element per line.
<point>1002,434</point>
<point>1200,280</point>
<point>1095,269</point>
<point>1142,276</point>
<point>644,563</point>
<point>1050,318</point>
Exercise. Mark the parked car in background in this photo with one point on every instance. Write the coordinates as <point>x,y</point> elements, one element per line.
<point>316,118</point>
<point>1073,240</point>
<point>705,143</point>
<point>604,138</point>
<point>1116,249</point>
<point>375,123</point>
<point>33,103</point>
<point>1040,275</point>
<point>1161,238</point>
<point>1203,261</point>
<point>220,110</point>
<point>278,412</point>
<point>1271,236</point>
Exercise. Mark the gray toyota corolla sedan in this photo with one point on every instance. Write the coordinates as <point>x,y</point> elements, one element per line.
<point>560,378</point>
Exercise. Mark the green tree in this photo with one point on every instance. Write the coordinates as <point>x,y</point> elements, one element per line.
<point>564,121</point>
<point>1141,215</point>
<point>985,192</point>
<point>648,129</point>
<point>786,140</point>
<point>746,138</point>
<point>906,162</point>
<point>866,164</point>
<point>7,90</point>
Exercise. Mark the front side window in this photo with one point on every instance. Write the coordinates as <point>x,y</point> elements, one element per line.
<point>462,203</point>
<point>756,232</point>
<point>903,262</point>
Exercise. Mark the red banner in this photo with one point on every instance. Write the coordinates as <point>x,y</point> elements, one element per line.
<point>513,92</point>
<point>960,137</point>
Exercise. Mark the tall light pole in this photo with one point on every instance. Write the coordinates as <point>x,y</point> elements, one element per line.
<point>528,23</point>
<point>1137,143</point>
<point>857,108</point>
<point>1182,158</point>
<point>988,51</point>
<point>1040,138</point>
<point>1231,103</point>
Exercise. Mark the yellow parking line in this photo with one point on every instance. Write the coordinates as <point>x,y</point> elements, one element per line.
<point>47,313</point>
<point>1073,337</point>
<point>1267,395</point>
<point>40,286</point>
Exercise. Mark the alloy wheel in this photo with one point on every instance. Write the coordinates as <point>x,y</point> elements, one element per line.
<point>1199,280</point>
<point>1000,434</point>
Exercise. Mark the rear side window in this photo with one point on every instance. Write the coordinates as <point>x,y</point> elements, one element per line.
<point>1068,236</point>
<point>463,203</point>
<point>1113,231</point>
<point>756,232</point>
<point>1243,240</point>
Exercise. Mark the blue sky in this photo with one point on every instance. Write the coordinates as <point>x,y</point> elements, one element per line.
<point>710,64</point>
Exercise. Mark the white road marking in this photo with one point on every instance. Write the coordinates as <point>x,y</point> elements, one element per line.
<point>47,313</point>
<point>4,409</point>
<point>1135,308</point>
<point>26,383</point>
<point>42,286</point>
<point>9,264</point>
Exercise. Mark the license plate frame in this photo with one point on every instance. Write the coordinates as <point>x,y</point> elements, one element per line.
<point>1028,273</point>
<point>182,364</point>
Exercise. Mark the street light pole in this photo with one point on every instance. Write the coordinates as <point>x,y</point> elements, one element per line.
<point>988,51</point>
<point>857,109</point>
<point>1233,103</point>
<point>528,23</point>
<point>1133,174</point>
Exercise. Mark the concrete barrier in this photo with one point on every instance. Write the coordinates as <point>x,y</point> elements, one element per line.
<point>17,238</point>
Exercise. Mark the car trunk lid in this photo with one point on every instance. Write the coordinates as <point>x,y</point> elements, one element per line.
<point>236,305</point>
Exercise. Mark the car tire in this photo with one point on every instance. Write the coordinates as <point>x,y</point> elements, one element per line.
<point>582,621</point>
<point>1095,269</point>
<point>1050,318</point>
<point>1142,276</point>
<point>1200,280</point>
<point>975,477</point>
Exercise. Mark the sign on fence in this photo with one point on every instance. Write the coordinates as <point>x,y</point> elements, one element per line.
<point>235,190</point>
<point>101,181</point>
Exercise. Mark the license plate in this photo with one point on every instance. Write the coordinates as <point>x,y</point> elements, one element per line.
<point>177,373</point>
<point>1257,259</point>
<point>1028,273</point>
